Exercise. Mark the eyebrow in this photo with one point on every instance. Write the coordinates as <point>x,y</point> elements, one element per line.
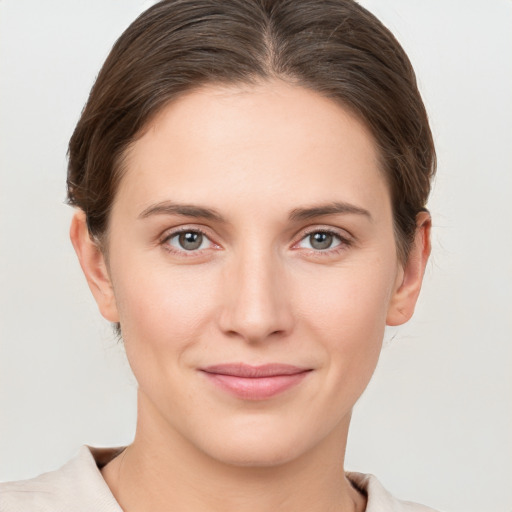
<point>187,210</point>
<point>334,208</point>
<point>297,214</point>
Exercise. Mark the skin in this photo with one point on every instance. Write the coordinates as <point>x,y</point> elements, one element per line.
<point>256,291</point>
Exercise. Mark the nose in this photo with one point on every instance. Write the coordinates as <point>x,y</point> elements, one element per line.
<point>256,305</point>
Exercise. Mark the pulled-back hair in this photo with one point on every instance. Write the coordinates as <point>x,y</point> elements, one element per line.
<point>334,47</point>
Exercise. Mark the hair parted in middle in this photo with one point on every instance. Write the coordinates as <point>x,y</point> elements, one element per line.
<point>334,47</point>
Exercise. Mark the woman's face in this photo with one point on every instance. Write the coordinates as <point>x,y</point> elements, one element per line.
<point>253,266</point>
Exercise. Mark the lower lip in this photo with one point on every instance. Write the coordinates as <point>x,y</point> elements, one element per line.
<point>258,388</point>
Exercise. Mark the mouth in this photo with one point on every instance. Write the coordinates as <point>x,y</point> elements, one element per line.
<point>255,382</point>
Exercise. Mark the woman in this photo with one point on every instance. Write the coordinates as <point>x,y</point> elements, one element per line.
<point>250,180</point>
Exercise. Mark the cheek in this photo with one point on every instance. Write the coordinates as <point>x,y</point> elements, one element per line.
<point>346,310</point>
<point>355,298</point>
<point>161,309</point>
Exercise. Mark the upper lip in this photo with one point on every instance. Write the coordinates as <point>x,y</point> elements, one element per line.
<point>249,371</point>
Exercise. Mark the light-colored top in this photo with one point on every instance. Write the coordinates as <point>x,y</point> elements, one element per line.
<point>79,487</point>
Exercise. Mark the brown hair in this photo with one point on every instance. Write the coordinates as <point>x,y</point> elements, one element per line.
<point>334,47</point>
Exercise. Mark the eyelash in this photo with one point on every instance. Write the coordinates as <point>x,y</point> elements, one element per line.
<point>344,242</point>
<point>183,252</point>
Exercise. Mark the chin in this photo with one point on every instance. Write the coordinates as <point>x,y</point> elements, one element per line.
<point>263,443</point>
<point>263,454</point>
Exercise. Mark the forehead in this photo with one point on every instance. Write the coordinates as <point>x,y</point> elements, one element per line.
<point>274,141</point>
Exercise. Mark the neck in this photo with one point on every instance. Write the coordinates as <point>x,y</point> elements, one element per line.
<point>162,471</point>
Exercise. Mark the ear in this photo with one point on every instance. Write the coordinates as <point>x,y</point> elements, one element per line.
<point>408,285</point>
<point>92,261</point>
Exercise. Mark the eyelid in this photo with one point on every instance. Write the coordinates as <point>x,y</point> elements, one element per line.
<point>172,232</point>
<point>346,238</point>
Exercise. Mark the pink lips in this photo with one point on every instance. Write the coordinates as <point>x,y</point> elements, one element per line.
<point>255,382</point>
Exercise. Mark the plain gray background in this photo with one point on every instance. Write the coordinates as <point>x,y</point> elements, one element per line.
<point>435,422</point>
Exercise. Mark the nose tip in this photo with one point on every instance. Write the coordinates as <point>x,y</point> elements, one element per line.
<point>256,306</point>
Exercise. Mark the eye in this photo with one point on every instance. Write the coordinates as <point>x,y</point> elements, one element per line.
<point>188,240</point>
<point>322,241</point>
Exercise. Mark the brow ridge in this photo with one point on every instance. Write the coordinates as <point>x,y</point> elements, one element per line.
<point>334,208</point>
<point>297,214</point>
<point>187,210</point>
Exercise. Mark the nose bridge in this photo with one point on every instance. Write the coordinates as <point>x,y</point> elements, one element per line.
<point>257,305</point>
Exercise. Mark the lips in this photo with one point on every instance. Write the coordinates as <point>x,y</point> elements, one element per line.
<point>255,382</point>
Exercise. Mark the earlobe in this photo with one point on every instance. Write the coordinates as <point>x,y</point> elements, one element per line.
<point>92,261</point>
<point>405,295</point>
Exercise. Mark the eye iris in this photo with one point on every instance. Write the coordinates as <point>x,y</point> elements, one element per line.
<point>190,240</point>
<point>320,241</point>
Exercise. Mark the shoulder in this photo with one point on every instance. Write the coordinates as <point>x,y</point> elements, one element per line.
<point>379,499</point>
<point>77,486</point>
